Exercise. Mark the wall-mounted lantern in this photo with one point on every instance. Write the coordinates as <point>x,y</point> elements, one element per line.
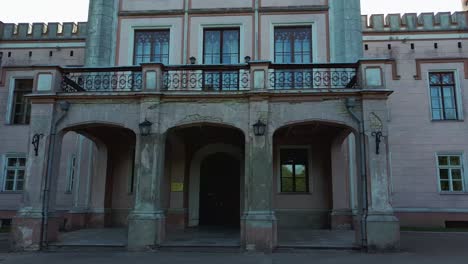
<point>145,127</point>
<point>259,128</point>
<point>247,59</point>
<point>35,142</point>
<point>193,60</point>
<point>377,128</point>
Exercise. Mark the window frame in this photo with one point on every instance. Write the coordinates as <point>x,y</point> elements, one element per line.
<point>150,29</point>
<point>296,27</point>
<point>9,118</point>
<point>314,32</point>
<point>232,75</point>
<point>221,29</point>
<point>450,167</point>
<point>457,95</point>
<point>16,169</point>
<point>308,170</point>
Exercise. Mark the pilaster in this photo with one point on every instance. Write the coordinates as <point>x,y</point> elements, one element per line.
<point>147,220</point>
<point>259,227</point>
<point>383,229</point>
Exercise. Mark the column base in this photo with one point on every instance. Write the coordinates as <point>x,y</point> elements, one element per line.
<point>27,230</point>
<point>259,231</point>
<point>341,220</point>
<point>383,232</point>
<point>146,230</point>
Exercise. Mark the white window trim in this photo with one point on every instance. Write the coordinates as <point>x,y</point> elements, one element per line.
<point>201,40</point>
<point>313,26</point>
<point>131,40</point>
<point>4,174</point>
<point>463,165</point>
<point>458,93</point>
<point>309,169</point>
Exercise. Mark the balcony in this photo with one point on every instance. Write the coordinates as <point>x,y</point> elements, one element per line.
<point>210,78</point>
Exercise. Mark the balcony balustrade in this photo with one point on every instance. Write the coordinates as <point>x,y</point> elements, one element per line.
<point>210,78</point>
<point>118,79</point>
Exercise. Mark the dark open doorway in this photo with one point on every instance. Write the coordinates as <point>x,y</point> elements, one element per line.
<point>220,191</point>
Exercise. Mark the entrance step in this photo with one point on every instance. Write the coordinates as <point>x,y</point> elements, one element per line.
<point>293,248</point>
<point>199,248</point>
<point>85,248</point>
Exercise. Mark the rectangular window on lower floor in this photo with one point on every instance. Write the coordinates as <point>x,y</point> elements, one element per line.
<point>294,170</point>
<point>451,175</point>
<point>15,169</point>
<point>71,173</point>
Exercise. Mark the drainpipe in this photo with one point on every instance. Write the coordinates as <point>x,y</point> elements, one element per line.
<point>64,106</point>
<point>186,30</point>
<point>350,105</point>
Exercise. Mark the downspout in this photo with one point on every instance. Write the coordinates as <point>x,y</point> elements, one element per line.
<point>256,30</point>
<point>186,31</point>
<point>350,105</point>
<point>64,106</point>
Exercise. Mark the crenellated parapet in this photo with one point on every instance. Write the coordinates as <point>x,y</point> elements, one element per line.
<point>443,21</point>
<point>42,31</point>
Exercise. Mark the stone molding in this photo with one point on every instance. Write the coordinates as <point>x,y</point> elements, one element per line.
<point>411,22</point>
<point>42,31</point>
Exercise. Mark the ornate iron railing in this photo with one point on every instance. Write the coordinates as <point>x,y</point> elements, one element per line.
<point>115,79</point>
<point>206,78</point>
<point>313,76</point>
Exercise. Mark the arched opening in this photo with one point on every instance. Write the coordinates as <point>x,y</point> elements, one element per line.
<point>95,184</point>
<point>315,184</point>
<point>204,175</point>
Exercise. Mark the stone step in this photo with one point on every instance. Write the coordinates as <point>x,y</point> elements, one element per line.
<point>85,248</point>
<point>199,248</point>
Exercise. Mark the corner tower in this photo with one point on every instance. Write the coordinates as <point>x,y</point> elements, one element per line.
<point>102,27</point>
<point>345,31</point>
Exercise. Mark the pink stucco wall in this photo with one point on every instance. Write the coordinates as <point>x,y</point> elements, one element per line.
<point>414,138</point>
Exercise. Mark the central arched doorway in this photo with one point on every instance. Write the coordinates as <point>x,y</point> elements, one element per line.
<point>220,191</point>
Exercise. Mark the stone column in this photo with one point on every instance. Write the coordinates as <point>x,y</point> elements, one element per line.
<point>147,220</point>
<point>28,224</point>
<point>383,229</point>
<point>259,222</point>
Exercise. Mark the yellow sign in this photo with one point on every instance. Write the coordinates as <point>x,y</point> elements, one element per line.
<point>177,187</point>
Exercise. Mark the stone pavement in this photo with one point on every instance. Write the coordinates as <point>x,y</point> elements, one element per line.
<point>424,248</point>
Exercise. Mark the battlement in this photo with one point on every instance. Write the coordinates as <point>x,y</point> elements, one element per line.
<point>443,21</point>
<point>42,31</point>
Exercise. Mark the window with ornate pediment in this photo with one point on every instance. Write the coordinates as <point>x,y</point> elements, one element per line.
<point>151,46</point>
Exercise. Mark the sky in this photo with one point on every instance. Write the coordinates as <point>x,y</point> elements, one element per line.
<point>15,11</point>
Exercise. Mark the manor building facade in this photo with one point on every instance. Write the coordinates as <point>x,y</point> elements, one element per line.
<point>160,116</point>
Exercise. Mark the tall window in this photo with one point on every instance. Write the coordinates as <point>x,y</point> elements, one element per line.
<point>221,46</point>
<point>71,173</point>
<point>21,113</point>
<point>151,46</point>
<point>443,96</point>
<point>14,173</point>
<point>294,170</point>
<point>450,173</point>
<point>293,45</point>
